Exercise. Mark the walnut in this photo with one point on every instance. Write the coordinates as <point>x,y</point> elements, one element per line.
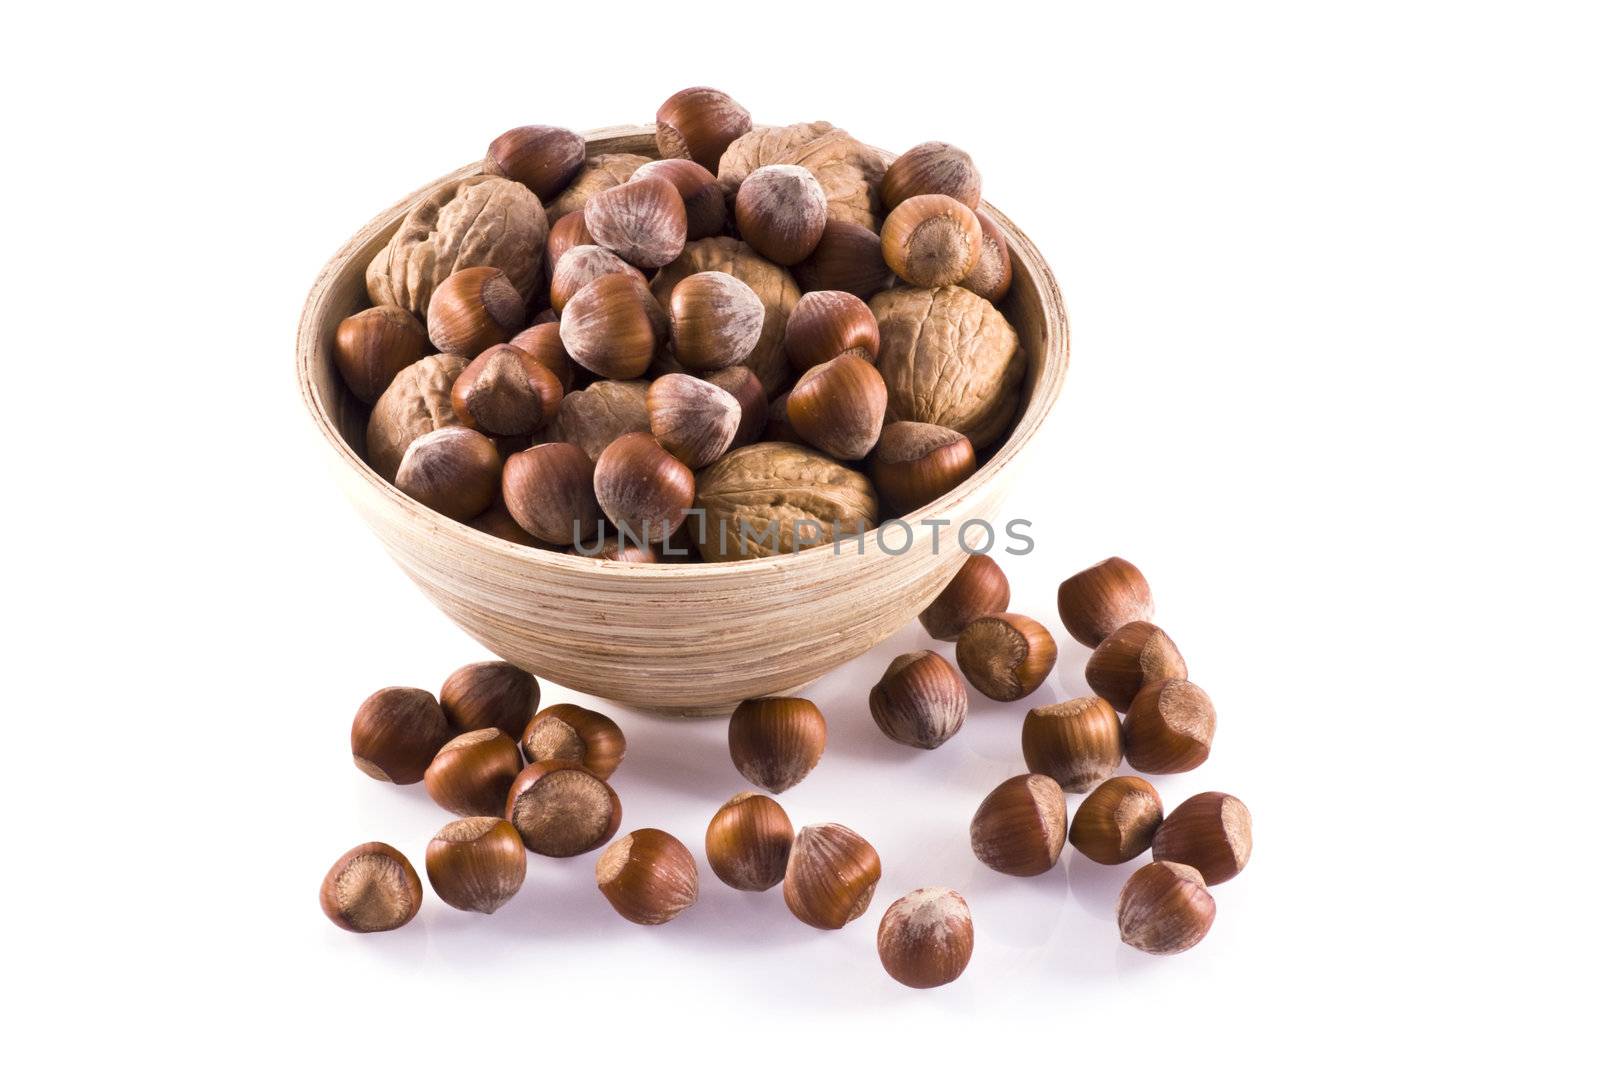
<point>479,221</point>
<point>949,358</point>
<point>762,493</point>
<point>598,174</point>
<point>416,402</point>
<point>772,283</point>
<point>597,415</point>
<point>849,171</point>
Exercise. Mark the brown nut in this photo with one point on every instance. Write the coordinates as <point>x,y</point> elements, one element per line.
<point>371,888</point>
<point>931,241</point>
<point>542,343</point>
<point>693,419</point>
<point>580,266</point>
<point>1209,831</point>
<point>1098,601</point>
<point>569,733</point>
<point>699,124</point>
<point>592,417</point>
<point>978,588</point>
<point>568,233</point>
<point>991,278</point>
<point>477,863</point>
<point>925,938</point>
<point>1006,656</point>
<point>745,388</point>
<point>781,211</point>
<point>454,470</point>
<point>776,498</point>
<point>1020,826</point>
<point>1134,657</point>
<point>544,158</point>
<point>1077,743</point>
<point>597,174</point>
<point>778,430</point>
<point>549,490</point>
<point>473,309</point>
<point>847,258</point>
<point>490,695</point>
<point>838,407</point>
<point>417,402</point>
<point>704,204</point>
<point>373,346</point>
<point>920,701</point>
<point>831,875</point>
<point>748,842</point>
<point>613,547</point>
<point>1169,727</point>
<point>1165,908</point>
<point>642,220</point>
<point>560,809</point>
<point>498,522</point>
<point>643,490</point>
<point>471,775</point>
<point>612,326</point>
<point>1117,821</point>
<point>933,167</point>
<point>506,391</point>
<point>775,742</point>
<point>716,320</point>
<point>396,733</point>
<point>916,463</point>
<point>825,325</point>
<point>648,876</point>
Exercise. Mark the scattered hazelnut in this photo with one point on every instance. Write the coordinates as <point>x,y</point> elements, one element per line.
<point>1165,908</point>
<point>471,774</point>
<point>925,938</point>
<point>396,733</point>
<point>1169,727</point>
<point>838,407</point>
<point>542,343</point>
<point>565,234</point>
<point>978,588</point>
<point>1005,656</point>
<point>745,387</point>
<point>1209,831</point>
<point>1135,656</point>
<point>699,124</point>
<point>693,419</point>
<point>916,463</point>
<point>991,278</point>
<point>454,470</point>
<point>549,490</point>
<point>643,490</point>
<point>506,391</point>
<point>371,888</point>
<point>476,863</point>
<point>560,809</point>
<point>580,266</point>
<point>642,220</point>
<point>933,167</point>
<point>716,320</point>
<point>931,241</point>
<point>569,733</point>
<point>1117,821</point>
<point>748,842</point>
<point>848,258</point>
<point>781,211</point>
<point>371,347</point>
<point>704,204</point>
<point>920,701</point>
<point>1077,743</point>
<point>1101,599</point>
<point>648,876</point>
<point>1020,826</point>
<point>490,695</point>
<point>612,326</point>
<point>544,158</point>
<point>776,741</point>
<point>824,325</point>
<point>473,309</point>
<point>831,875</point>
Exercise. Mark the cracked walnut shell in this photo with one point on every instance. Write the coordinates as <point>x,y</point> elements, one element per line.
<point>757,499</point>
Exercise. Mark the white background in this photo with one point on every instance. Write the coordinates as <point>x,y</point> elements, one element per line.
<point>1332,275</point>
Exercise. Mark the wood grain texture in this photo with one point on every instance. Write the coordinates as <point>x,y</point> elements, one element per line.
<point>685,640</point>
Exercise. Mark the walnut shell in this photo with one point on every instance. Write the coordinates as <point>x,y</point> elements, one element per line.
<point>479,221</point>
<point>949,358</point>
<point>598,174</point>
<point>848,170</point>
<point>776,484</point>
<point>415,403</point>
<point>595,416</point>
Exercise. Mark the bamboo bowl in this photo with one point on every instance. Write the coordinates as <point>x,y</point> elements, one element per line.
<point>677,639</point>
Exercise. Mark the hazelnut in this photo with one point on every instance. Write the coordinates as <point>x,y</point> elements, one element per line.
<point>704,204</point>
<point>693,419</point>
<point>580,266</point>
<point>745,388</point>
<point>560,809</point>
<point>476,863</point>
<point>1135,656</point>
<point>699,124</point>
<point>1077,743</point>
<point>453,470</point>
<point>371,347</point>
<point>1165,908</point>
<point>848,258</point>
<point>925,938</point>
<point>1169,727</point>
<point>1117,821</point>
<point>371,888</point>
<point>490,695</point>
<point>775,742</point>
<point>991,278</point>
<point>648,876</point>
<point>471,774</point>
<point>594,416</point>
<point>920,701</point>
<point>1020,826</point>
<point>748,842</point>
<point>777,429</point>
<point>781,211</point>
<point>1005,656</point>
<point>838,407</point>
<point>643,220</point>
<point>824,325</point>
<point>931,241</point>
<point>643,490</point>
<point>542,343</point>
<point>916,463</point>
<point>831,875</point>
<point>1100,600</point>
<point>612,326</point>
<point>417,402</point>
<point>549,490</point>
<point>473,309</point>
<point>613,547</point>
<point>544,158</point>
<point>1209,831</point>
<point>716,320</point>
<point>569,733</point>
<point>544,317</point>
<point>506,391</point>
<point>978,588</point>
<point>933,167</point>
<point>396,733</point>
<point>498,522</point>
<point>567,233</point>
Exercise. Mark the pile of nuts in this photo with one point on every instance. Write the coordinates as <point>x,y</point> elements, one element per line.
<point>767,326</point>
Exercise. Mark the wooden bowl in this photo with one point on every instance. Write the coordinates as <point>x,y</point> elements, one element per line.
<point>679,639</point>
